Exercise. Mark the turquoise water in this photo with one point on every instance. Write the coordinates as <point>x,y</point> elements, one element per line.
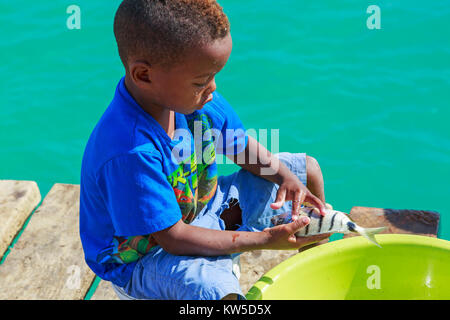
<point>372,106</point>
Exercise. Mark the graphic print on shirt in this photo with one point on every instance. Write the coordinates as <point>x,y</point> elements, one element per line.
<point>194,184</point>
<point>184,183</point>
<point>206,166</point>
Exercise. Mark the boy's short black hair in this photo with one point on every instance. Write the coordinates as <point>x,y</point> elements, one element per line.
<point>161,30</point>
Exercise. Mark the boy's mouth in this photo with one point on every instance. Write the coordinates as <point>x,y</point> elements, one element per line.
<point>207,99</point>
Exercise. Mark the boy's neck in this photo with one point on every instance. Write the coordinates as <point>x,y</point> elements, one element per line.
<point>164,116</point>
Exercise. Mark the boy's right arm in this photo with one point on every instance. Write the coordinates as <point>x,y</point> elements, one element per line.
<point>185,239</point>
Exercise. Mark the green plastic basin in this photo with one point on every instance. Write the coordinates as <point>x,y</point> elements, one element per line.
<point>406,267</point>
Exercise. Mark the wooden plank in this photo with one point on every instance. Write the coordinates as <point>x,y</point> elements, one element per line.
<point>17,200</point>
<point>420,222</point>
<point>254,264</point>
<point>104,292</point>
<point>48,261</point>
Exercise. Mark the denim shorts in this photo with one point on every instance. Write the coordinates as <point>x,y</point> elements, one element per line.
<point>161,275</point>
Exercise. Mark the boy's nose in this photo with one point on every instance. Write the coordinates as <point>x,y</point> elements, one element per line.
<point>213,86</point>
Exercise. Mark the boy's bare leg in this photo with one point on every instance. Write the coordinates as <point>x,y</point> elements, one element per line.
<point>315,184</point>
<point>314,178</point>
<point>232,216</point>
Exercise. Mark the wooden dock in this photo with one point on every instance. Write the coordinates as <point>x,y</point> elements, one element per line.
<point>42,257</point>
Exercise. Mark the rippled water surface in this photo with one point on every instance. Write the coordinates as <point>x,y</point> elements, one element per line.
<point>371,105</point>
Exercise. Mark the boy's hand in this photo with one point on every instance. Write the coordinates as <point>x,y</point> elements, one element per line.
<point>292,189</point>
<point>283,237</point>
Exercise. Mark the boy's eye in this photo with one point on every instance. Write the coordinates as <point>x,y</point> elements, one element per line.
<point>200,85</point>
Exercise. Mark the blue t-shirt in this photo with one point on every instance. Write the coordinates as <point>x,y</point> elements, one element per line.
<point>136,180</point>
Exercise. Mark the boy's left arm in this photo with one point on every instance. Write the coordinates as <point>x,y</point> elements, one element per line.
<point>259,161</point>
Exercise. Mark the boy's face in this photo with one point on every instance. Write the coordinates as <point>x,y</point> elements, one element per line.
<point>188,85</point>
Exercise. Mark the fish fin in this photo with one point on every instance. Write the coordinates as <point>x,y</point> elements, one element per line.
<point>369,233</point>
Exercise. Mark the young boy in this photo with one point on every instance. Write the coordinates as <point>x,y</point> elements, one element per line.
<point>160,226</point>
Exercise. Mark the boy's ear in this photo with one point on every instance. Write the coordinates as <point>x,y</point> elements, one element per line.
<point>140,72</point>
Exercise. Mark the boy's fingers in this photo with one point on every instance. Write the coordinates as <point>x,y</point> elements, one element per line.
<point>279,201</point>
<point>312,239</point>
<point>317,203</point>
<point>296,204</point>
<point>296,225</point>
<point>319,237</point>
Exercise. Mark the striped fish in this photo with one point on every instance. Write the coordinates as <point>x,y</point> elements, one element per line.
<point>333,222</point>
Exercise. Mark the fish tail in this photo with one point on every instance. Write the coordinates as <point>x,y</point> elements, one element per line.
<point>369,233</point>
